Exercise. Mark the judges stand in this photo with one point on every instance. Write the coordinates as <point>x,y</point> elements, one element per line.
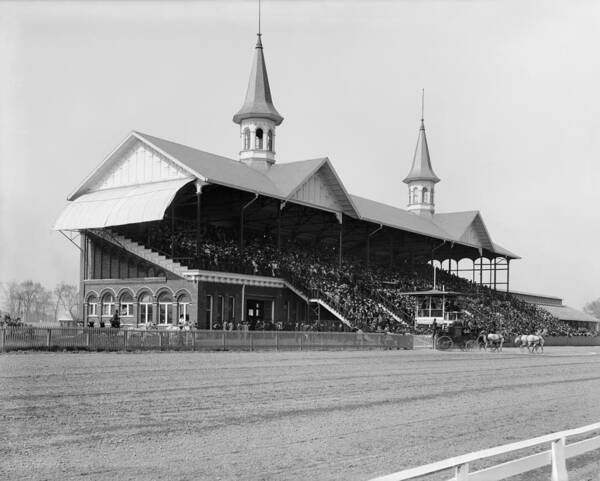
<point>443,306</point>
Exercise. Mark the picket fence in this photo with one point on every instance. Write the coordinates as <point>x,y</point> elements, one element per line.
<point>108,339</point>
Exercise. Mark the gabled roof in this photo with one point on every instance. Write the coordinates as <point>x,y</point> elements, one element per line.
<point>421,167</point>
<point>467,227</point>
<point>258,101</point>
<point>214,168</point>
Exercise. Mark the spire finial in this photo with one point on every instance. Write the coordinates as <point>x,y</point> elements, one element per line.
<point>259,32</point>
<point>422,105</point>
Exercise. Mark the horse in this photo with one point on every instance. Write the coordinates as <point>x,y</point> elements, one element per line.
<point>494,341</point>
<point>533,342</point>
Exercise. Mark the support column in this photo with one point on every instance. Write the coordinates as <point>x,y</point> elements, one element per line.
<point>369,243</point>
<point>481,283</point>
<point>199,186</point>
<point>507,274</point>
<point>340,218</point>
<point>495,272</point>
<point>244,207</point>
<point>279,214</point>
<point>155,311</point>
<point>172,231</point>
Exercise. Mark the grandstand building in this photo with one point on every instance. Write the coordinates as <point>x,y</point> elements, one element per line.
<point>554,305</point>
<point>168,232</point>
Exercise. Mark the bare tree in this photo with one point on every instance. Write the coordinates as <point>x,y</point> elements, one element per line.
<point>67,296</point>
<point>27,300</point>
<point>593,308</point>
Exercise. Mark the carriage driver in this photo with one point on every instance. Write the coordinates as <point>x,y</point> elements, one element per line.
<point>435,329</point>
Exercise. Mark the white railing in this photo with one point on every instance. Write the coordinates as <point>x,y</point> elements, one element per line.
<point>556,456</point>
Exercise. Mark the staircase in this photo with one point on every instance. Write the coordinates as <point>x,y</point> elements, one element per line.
<point>392,314</point>
<point>141,251</point>
<point>335,312</point>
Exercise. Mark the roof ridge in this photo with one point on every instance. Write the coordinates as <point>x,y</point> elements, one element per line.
<point>148,137</point>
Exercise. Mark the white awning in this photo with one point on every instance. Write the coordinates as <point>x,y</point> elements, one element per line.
<point>121,205</point>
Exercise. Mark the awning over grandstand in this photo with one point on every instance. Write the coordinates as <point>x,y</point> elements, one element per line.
<point>566,313</point>
<point>119,206</point>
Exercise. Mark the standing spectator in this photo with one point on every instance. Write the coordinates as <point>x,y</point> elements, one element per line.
<point>116,320</point>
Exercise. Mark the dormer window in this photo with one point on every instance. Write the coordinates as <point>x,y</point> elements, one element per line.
<point>258,144</point>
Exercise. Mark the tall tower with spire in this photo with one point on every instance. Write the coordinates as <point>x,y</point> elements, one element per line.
<point>258,117</point>
<point>421,179</point>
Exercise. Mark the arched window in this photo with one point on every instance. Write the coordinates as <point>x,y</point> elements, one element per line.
<point>270,141</point>
<point>246,138</point>
<point>425,195</point>
<point>145,308</point>
<point>165,308</point>
<point>126,305</point>
<point>258,143</point>
<point>92,306</point>
<point>183,307</point>
<point>108,305</point>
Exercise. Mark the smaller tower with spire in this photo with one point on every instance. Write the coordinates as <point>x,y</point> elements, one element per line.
<point>421,179</point>
<point>258,117</point>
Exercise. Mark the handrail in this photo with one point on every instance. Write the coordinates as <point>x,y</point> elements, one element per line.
<point>559,454</point>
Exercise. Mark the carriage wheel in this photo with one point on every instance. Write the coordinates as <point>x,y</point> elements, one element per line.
<point>469,345</point>
<point>443,343</point>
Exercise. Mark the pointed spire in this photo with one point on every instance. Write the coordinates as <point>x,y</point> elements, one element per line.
<point>258,103</point>
<point>421,167</point>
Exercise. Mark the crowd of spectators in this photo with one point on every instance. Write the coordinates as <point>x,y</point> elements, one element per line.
<point>370,298</point>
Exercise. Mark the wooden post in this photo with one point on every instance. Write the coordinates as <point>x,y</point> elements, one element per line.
<point>251,340</point>
<point>224,340</point>
<point>559,464</point>
<point>125,339</point>
<point>3,340</point>
<point>48,337</point>
<point>193,340</point>
<point>462,472</point>
<point>301,339</point>
<point>276,340</point>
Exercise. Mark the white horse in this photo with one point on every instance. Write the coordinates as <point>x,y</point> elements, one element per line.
<point>533,342</point>
<point>495,341</point>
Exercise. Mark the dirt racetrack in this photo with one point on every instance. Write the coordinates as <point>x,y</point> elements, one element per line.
<point>280,415</point>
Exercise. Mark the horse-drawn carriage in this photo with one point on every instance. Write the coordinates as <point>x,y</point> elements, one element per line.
<point>456,334</point>
<point>466,337</point>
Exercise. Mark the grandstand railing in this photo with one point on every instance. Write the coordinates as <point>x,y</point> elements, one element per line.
<point>109,339</point>
<point>556,457</point>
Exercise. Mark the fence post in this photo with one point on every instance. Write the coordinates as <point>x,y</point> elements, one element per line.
<point>193,340</point>
<point>251,341</point>
<point>559,465</point>
<point>160,340</point>
<point>125,333</point>
<point>276,341</point>
<point>462,472</point>
<point>48,337</point>
<point>3,340</point>
<point>301,340</point>
<point>87,338</point>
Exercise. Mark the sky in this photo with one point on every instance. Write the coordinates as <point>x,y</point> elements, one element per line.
<point>511,110</point>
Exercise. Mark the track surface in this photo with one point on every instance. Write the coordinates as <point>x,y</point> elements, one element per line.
<point>279,416</point>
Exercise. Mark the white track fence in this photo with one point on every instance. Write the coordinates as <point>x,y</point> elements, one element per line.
<point>556,457</point>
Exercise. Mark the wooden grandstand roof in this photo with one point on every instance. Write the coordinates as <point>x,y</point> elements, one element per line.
<point>284,181</point>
